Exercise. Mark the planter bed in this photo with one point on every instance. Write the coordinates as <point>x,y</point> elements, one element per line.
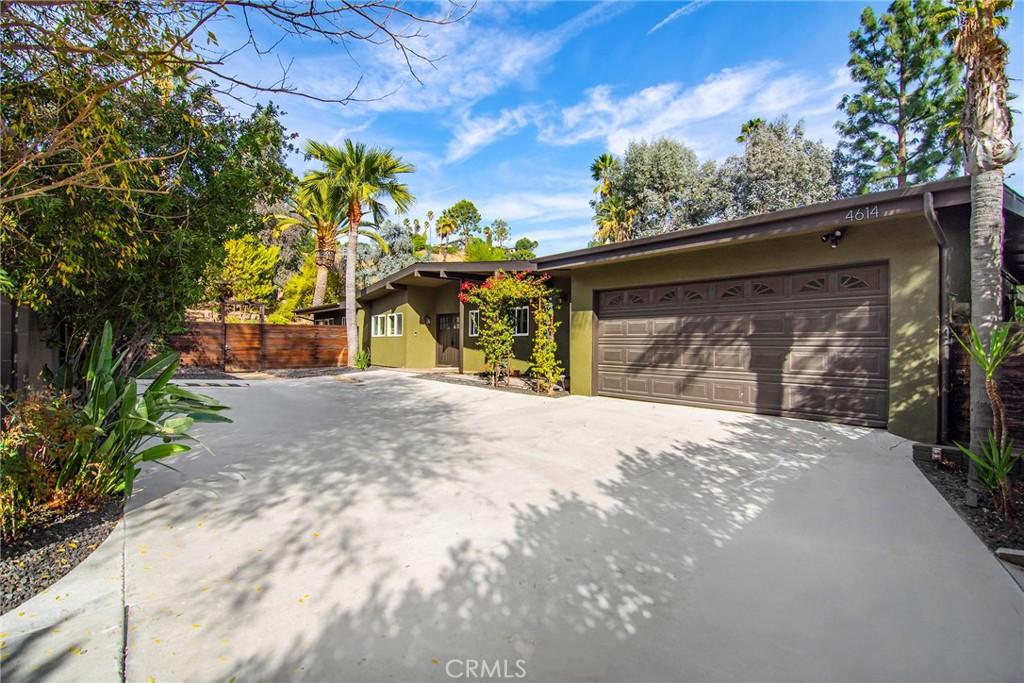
<point>51,548</point>
<point>983,520</point>
<point>518,386</point>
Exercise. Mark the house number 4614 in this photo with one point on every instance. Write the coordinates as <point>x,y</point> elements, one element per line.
<point>862,214</point>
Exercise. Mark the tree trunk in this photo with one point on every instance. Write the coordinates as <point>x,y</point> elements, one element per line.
<point>355,217</point>
<point>320,291</point>
<point>986,291</point>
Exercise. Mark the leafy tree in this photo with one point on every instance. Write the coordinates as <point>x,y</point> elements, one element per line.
<point>298,291</point>
<point>895,128</point>
<point>464,218</point>
<point>663,182</point>
<point>360,177</point>
<point>602,170</point>
<point>500,232</point>
<point>524,249</point>
<point>402,247</point>
<point>987,129</point>
<point>779,169</point>
<point>480,250</point>
<point>81,256</point>
<point>248,270</point>
<point>69,68</point>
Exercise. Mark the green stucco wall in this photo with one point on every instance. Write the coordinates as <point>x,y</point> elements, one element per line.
<point>913,258</point>
<point>389,352</point>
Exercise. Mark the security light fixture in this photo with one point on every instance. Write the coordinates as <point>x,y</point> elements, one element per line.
<point>832,237</point>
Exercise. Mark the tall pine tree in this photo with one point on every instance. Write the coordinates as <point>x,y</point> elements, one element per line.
<point>900,127</point>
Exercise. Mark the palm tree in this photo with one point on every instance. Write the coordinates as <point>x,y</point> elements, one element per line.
<point>747,128</point>
<point>316,210</point>
<point>361,177</point>
<point>445,228</point>
<point>602,170</point>
<point>986,126</point>
<point>614,220</point>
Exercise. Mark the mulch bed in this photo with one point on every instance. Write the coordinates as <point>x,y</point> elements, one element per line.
<point>986,523</point>
<point>483,382</point>
<point>51,549</point>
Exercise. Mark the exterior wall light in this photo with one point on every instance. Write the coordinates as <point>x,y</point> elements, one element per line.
<point>833,237</point>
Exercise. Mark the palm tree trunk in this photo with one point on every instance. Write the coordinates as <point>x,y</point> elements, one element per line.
<point>320,291</point>
<point>986,291</point>
<point>355,217</point>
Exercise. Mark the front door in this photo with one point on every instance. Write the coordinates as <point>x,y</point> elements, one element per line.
<point>448,340</point>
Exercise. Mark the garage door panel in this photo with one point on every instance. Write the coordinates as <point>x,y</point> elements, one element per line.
<point>811,344</point>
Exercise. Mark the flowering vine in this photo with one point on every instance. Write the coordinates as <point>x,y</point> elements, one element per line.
<point>497,298</point>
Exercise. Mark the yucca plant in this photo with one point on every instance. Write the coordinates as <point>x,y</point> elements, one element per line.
<point>988,358</point>
<point>121,421</point>
<point>995,460</point>
<point>994,464</point>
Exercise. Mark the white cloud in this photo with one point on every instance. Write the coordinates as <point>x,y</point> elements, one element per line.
<point>688,8</point>
<point>706,116</point>
<point>475,133</point>
<point>658,110</point>
<point>537,207</point>
<point>475,57</point>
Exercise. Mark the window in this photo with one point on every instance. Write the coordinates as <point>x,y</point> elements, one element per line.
<point>388,324</point>
<point>395,321</point>
<point>474,323</point>
<point>521,321</point>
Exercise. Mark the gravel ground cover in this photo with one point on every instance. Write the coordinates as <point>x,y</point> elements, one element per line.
<point>51,549</point>
<point>983,519</point>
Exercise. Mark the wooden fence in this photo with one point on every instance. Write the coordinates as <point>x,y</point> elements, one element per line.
<point>240,346</point>
<point>1011,385</point>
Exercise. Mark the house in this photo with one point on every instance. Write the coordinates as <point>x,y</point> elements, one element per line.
<point>833,311</point>
<point>324,314</point>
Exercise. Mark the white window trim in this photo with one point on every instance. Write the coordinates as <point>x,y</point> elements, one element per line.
<point>474,323</point>
<point>388,325</point>
<point>527,316</point>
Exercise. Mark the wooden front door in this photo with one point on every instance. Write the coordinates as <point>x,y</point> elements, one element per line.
<point>448,340</point>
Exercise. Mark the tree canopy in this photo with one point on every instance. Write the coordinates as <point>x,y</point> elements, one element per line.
<point>900,127</point>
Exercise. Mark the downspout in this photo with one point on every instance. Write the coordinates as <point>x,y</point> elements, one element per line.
<point>932,219</point>
<point>462,329</point>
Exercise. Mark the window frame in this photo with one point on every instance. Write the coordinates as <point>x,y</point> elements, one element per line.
<point>473,323</point>
<point>515,321</point>
<point>396,324</point>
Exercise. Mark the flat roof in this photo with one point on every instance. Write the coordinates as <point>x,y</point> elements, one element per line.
<point>820,216</point>
<point>848,211</point>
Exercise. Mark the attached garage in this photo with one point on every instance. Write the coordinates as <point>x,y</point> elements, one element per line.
<point>811,344</point>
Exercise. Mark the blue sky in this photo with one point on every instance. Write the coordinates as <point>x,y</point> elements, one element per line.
<point>526,94</point>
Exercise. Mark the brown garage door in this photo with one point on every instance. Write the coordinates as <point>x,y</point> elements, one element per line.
<point>810,344</point>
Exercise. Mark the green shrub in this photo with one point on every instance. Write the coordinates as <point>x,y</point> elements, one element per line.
<point>39,435</point>
<point>362,359</point>
<point>56,452</point>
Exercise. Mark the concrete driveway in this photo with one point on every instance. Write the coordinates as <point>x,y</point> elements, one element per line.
<point>392,527</point>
